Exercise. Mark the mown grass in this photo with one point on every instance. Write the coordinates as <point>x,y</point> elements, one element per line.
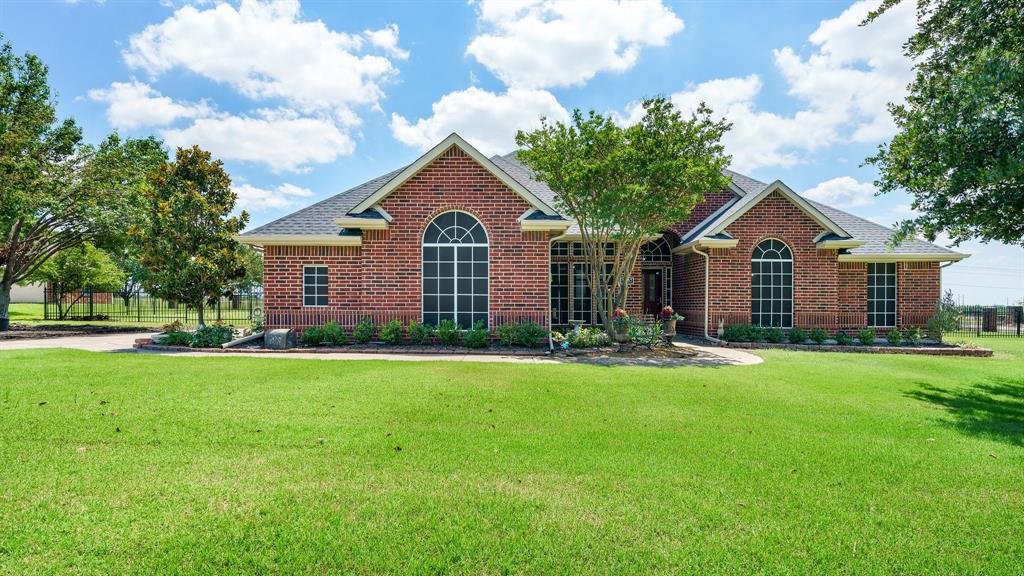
<point>808,463</point>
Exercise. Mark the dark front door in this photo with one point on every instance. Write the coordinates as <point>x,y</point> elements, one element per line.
<point>652,292</point>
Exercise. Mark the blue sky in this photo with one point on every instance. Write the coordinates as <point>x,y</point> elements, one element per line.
<point>305,100</point>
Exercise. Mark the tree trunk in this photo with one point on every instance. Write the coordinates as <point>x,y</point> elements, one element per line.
<point>5,305</point>
<point>199,315</point>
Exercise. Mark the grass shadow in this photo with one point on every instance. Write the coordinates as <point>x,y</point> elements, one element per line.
<point>993,409</point>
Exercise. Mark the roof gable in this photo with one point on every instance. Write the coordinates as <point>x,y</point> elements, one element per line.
<point>744,204</point>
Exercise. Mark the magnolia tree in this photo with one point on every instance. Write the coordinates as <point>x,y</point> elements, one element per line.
<point>626,185</point>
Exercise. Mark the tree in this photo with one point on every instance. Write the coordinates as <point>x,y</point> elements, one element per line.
<point>626,185</point>
<point>72,273</point>
<point>252,262</point>
<point>134,273</point>
<point>186,242</point>
<point>56,192</point>
<point>959,151</point>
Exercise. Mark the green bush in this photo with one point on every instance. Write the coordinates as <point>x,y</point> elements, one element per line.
<point>448,332</point>
<point>947,319</point>
<point>581,337</point>
<point>743,333</point>
<point>797,335</point>
<point>364,331</point>
<point>843,339</point>
<point>913,335</point>
<point>313,336</point>
<point>774,335</point>
<point>525,334</point>
<point>419,333</point>
<point>866,336</point>
<point>895,337</point>
<point>176,338</point>
<point>507,334</point>
<point>334,335</point>
<point>818,335</point>
<point>212,336</point>
<point>477,336</point>
<point>391,332</point>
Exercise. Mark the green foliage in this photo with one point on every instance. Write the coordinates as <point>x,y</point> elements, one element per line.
<point>774,335</point>
<point>391,332</point>
<point>334,335</point>
<point>525,334</point>
<point>959,146</point>
<point>625,184</point>
<point>419,333</point>
<point>866,336</point>
<point>797,335</point>
<point>212,336</point>
<point>843,339</point>
<point>176,338</point>
<point>186,241</point>
<point>364,331</point>
<point>312,336</point>
<point>174,326</point>
<point>946,318</point>
<point>895,337</point>
<point>448,332</point>
<point>70,272</point>
<point>817,335</point>
<point>583,337</point>
<point>913,335</point>
<point>477,337</point>
<point>743,333</point>
<point>252,264</point>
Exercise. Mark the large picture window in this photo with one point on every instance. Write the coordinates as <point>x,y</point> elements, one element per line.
<point>314,285</point>
<point>771,298</point>
<point>559,293</point>
<point>455,274</point>
<point>882,295</point>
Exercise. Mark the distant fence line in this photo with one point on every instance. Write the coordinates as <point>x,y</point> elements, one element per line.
<point>139,307</point>
<point>990,321</point>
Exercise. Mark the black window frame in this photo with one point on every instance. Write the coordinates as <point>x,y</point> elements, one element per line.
<point>455,270</point>
<point>882,294</point>
<point>771,284</point>
<point>320,286</point>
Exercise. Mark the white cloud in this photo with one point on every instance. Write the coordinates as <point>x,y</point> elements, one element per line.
<point>549,43</point>
<point>265,50</point>
<point>487,120</point>
<point>136,104</point>
<point>843,192</point>
<point>387,40</point>
<point>279,139</point>
<point>257,199</point>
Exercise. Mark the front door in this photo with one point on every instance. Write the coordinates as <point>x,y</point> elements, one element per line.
<point>652,292</point>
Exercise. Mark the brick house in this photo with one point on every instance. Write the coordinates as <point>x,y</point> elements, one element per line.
<point>458,235</point>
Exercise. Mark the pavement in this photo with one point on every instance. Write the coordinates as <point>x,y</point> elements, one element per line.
<point>122,343</point>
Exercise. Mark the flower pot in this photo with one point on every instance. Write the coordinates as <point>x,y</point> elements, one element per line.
<point>622,337</point>
<point>668,327</point>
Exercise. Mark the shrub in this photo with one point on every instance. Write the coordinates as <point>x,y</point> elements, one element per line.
<point>313,336</point>
<point>334,335</point>
<point>448,332</point>
<point>818,335</point>
<point>477,336</point>
<point>946,319</point>
<point>177,338</point>
<point>364,330</point>
<point>257,326</point>
<point>528,334</point>
<point>581,337</point>
<point>843,339</point>
<point>743,333</point>
<point>774,335</point>
<point>797,335</point>
<point>866,336</point>
<point>419,333</point>
<point>391,332</point>
<point>507,334</point>
<point>913,335</point>
<point>895,337</point>
<point>212,336</point>
<point>175,326</point>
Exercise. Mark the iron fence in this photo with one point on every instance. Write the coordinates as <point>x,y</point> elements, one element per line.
<point>990,321</point>
<point>141,308</point>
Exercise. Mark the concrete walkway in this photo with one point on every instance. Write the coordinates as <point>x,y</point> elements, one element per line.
<point>705,355</point>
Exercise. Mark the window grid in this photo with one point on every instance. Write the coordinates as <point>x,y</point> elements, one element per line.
<point>771,299</point>
<point>657,252</point>
<point>882,295</point>
<point>314,286</point>
<point>455,270</point>
<point>582,304</point>
<point>560,294</point>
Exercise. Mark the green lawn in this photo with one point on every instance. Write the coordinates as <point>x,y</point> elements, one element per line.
<point>809,463</point>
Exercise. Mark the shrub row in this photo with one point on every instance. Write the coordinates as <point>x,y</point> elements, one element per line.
<point>205,337</point>
<point>797,335</point>
<point>447,332</point>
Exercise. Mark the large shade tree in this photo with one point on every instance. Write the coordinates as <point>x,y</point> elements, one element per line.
<point>959,151</point>
<point>56,192</point>
<point>626,185</point>
<point>187,239</point>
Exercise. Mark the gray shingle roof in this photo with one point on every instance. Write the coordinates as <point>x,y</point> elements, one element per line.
<point>876,235</point>
<point>514,168</point>
<point>745,183</point>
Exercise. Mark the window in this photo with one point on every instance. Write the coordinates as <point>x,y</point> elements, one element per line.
<point>455,275</point>
<point>314,285</point>
<point>882,295</point>
<point>657,252</point>
<point>581,302</point>
<point>771,298</point>
<point>560,249</point>
<point>559,294</point>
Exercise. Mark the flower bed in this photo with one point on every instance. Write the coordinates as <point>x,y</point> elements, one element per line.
<point>369,348</point>
<point>924,349</point>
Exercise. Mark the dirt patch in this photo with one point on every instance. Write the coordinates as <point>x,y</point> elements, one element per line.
<point>36,331</point>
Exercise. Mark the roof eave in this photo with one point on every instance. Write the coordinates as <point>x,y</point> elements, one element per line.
<point>300,239</point>
<point>904,257</point>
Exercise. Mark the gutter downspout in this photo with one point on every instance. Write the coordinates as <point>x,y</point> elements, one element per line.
<point>551,342</point>
<point>707,290</point>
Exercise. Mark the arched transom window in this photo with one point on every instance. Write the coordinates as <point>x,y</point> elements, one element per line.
<point>455,274</point>
<point>656,252</point>
<point>771,298</point>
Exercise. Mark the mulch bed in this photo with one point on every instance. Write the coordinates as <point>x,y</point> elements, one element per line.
<point>658,352</point>
<point>926,350</point>
<point>371,348</point>
<point>35,331</point>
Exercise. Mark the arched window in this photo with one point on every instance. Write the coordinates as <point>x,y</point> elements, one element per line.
<point>455,271</point>
<point>656,252</point>
<point>771,298</point>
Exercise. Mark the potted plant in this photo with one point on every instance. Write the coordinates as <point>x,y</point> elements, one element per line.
<point>668,321</point>
<point>620,320</point>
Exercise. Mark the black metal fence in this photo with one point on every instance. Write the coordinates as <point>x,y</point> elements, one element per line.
<point>990,321</point>
<point>239,309</point>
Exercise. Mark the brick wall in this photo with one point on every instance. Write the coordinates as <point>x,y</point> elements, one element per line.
<point>918,289</point>
<point>853,295</point>
<point>701,211</point>
<point>688,292</point>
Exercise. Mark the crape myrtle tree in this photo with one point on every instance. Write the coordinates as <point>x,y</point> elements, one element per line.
<point>626,185</point>
<point>187,240</point>
<point>72,272</point>
<point>56,192</point>
<point>959,150</point>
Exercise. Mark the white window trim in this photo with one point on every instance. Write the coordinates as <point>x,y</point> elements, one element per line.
<point>326,274</point>
<point>895,300</point>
